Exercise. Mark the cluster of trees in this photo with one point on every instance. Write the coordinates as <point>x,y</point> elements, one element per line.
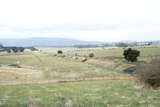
<point>15,49</point>
<point>86,46</point>
<point>121,44</point>
<point>132,44</point>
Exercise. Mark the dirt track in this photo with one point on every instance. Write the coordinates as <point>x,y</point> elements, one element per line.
<point>65,80</point>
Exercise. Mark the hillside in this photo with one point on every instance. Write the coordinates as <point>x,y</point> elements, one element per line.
<point>44,42</point>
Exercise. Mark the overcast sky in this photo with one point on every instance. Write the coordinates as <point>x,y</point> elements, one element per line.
<point>98,20</point>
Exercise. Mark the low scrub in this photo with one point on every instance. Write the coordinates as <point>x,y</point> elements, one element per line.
<point>59,52</point>
<point>91,55</point>
<point>149,73</point>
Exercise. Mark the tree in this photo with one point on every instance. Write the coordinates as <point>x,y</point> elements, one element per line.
<point>131,55</point>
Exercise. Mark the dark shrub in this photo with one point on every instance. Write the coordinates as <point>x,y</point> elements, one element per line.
<point>150,73</point>
<point>91,55</point>
<point>131,55</point>
<point>15,49</point>
<point>60,52</point>
<point>21,49</point>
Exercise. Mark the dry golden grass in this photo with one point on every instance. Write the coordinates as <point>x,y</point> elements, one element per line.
<point>45,65</point>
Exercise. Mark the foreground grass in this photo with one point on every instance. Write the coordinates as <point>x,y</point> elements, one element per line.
<point>109,93</point>
<point>119,93</point>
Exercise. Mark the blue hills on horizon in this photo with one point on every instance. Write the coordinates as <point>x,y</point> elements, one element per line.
<point>45,42</point>
<point>62,42</point>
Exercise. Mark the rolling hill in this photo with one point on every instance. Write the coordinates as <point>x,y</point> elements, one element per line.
<point>45,42</point>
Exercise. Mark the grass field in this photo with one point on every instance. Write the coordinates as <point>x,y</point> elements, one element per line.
<point>80,94</point>
<point>29,79</point>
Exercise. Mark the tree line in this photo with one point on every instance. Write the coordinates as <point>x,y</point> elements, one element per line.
<point>15,49</point>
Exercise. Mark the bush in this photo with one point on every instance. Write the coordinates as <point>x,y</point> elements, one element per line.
<point>15,49</point>
<point>91,55</point>
<point>21,49</point>
<point>60,52</point>
<point>131,55</point>
<point>149,73</point>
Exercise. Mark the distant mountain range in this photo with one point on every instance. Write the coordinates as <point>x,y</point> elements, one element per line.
<point>64,42</point>
<point>45,42</point>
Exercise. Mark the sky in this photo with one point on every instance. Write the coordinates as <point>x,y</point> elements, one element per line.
<point>90,20</point>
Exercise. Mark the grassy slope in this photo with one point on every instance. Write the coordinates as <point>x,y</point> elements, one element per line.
<point>107,62</point>
<point>79,94</point>
<point>57,67</point>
